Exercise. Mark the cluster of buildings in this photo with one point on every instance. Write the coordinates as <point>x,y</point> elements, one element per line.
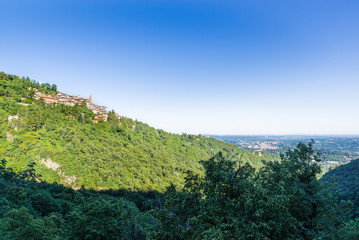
<point>332,163</point>
<point>59,98</point>
<point>62,98</point>
<point>260,145</point>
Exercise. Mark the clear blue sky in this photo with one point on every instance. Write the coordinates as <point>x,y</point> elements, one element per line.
<point>213,67</point>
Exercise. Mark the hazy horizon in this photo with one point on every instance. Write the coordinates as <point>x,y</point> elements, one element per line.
<point>285,135</point>
<point>225,68</point>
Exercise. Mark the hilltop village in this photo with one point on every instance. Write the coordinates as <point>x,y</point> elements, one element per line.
<point>62,98</point>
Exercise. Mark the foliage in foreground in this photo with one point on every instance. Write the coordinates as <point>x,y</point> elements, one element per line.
<point>283,200</point>
<point>40,211</point>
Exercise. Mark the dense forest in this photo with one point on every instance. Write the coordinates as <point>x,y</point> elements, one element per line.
<point>282,200</point>
<point>345,181</point>
<point>70,178</point>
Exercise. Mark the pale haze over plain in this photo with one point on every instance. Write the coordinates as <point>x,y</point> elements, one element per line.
<point>212,67</point>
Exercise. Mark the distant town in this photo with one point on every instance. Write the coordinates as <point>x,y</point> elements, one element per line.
<point>334,150</point>
<point>61,98</point>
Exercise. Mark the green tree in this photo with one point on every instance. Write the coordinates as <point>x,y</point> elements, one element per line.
<point>102,219</point>
<point>18,224</point>
<point>112,119</point>
<point>54,87</point>
<point>350,231</point>
<point>283,200</point>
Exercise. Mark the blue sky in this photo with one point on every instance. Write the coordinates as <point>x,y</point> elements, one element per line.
<point>212,67</point>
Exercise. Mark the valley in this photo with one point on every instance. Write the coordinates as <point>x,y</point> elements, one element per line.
<point>335,150</point>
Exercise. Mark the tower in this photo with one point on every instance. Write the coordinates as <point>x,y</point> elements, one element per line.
<point>90,99</point>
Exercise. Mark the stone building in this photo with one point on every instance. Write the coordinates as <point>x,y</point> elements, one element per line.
<point>68,100</point>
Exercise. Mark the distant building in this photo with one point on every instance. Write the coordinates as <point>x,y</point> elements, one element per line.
<point>100,117</point>
<point>68,100</point>
<point>333,162</point>
<point>49,99</point>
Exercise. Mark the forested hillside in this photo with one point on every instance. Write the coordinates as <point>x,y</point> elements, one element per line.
<point>282,200</point>
<point>153,184</point>
<point>69,148</point>
<point>345,180</point>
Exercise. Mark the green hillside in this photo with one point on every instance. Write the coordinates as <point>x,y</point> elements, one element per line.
<point>69,148</point>
<point>345,180</point>
<point>281,200</point>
